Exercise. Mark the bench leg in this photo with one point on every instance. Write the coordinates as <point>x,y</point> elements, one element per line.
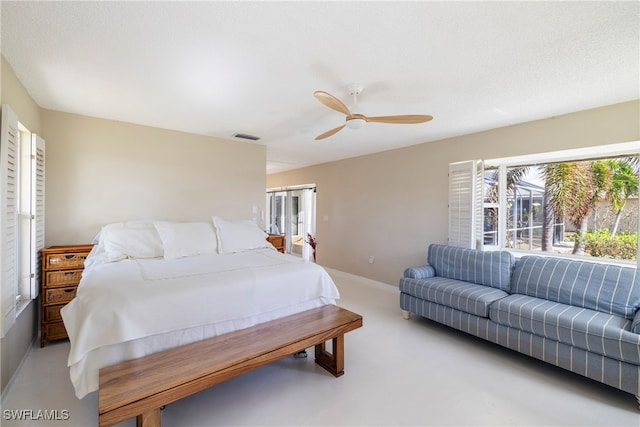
<point>150,418</point>
<point>333,363</point>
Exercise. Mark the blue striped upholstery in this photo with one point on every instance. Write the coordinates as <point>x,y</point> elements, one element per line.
<point>635,326</point>
<point>464,296</point>
<point>490,268</point>
<point>621,375</point>
<point>581,316</point>
<point>603,287</point>
<point>590,330</point>
<point>420,272</point>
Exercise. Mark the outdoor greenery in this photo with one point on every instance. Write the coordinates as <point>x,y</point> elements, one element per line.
<point>601,243</point>
<point>573,191</point>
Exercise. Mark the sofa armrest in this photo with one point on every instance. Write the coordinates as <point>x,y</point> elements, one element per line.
<point>635,326</point>
<point>420,272</point>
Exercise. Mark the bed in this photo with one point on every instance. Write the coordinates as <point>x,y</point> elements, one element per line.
<point>153,285</point>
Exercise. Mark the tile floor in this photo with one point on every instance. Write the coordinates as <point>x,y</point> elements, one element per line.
<point>397,373</point>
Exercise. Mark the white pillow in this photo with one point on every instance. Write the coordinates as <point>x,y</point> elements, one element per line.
<point>236,236</point>
<point>182,239</point>
<point>133,239</point>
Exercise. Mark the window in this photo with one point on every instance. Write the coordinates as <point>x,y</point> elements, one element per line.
<point>31,212</point>
<point>291,212</point>
<point>21,215</point>
<point>574,202</point>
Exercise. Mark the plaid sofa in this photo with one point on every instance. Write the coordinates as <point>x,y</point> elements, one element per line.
<point>580,316</point>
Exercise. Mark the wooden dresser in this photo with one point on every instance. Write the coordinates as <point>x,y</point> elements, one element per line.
<point>61,271</point>
<point>277,240</point>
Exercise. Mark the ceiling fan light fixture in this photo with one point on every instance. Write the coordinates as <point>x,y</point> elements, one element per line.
<point>356,123</point>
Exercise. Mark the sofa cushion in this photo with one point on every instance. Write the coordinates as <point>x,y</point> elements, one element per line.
<point>490,268</point>
<point>603,287</point>
<point>605,334</point>
<point>463,296</point>
<point>635,326</point>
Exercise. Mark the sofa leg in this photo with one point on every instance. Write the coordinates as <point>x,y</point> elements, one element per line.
<point>406,314</point>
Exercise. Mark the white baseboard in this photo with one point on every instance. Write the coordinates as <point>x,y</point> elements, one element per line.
<point>5,392</point>
<point>364,280</point>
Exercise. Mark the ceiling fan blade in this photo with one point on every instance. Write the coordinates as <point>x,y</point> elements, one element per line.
<point>331,102</point>
<point>327,134</point>
<point>406,119</point>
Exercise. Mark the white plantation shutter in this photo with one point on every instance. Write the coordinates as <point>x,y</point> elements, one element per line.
<point>37,209</point>
<point>479,205</point>
<point>8,217</point>
<point>465,204</point>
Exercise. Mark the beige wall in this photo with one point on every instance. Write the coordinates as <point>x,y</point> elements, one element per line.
<point>101,171</point>
<point>14,94</point>
<point>392,205</point>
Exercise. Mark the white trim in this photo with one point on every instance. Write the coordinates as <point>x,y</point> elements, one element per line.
<point>339,274</point>
<point>292,187</point>
<point>621,149</point>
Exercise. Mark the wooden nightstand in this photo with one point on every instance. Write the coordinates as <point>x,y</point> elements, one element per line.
<point>61,272</point>
<point>277,240</point>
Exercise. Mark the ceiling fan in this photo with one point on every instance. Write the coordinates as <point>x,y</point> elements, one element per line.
<point>356,121</point>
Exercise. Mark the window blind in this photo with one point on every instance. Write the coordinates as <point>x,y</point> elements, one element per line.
<point>465,204</point>
<point>37,209</point>
<point>8,216</point>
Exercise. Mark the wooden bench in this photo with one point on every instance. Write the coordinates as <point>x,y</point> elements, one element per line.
<point>140,387</point>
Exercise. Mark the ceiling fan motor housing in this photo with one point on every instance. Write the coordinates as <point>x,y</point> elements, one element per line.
<point>357,121</point>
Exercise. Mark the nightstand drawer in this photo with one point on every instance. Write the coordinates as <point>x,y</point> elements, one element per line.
<point>52,313</point>
<point>65,260</point>
<point>54,331</point>
<point>63,278</point>
<point>59,295</point>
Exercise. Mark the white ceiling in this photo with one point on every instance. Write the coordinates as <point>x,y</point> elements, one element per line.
<point>218,68</point>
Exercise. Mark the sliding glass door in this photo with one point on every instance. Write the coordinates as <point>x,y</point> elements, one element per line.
<point>291,212</point>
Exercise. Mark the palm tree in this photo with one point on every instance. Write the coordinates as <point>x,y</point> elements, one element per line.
<point>573,191</point>
<point>548,221</point>
<point>558,180</point>
<point>624,184</point>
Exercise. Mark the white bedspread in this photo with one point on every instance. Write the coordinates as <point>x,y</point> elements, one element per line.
<point>131,308</point>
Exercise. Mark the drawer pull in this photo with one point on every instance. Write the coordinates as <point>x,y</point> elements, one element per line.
<point>69,256</point>
<point>69,290</point>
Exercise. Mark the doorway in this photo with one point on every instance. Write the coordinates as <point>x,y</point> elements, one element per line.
<point>291,211</point>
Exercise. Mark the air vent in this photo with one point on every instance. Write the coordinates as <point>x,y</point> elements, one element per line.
<point>246,136</point>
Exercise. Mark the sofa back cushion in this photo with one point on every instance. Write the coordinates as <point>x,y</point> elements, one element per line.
<point>603,287</point>
<point>489,268</point>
